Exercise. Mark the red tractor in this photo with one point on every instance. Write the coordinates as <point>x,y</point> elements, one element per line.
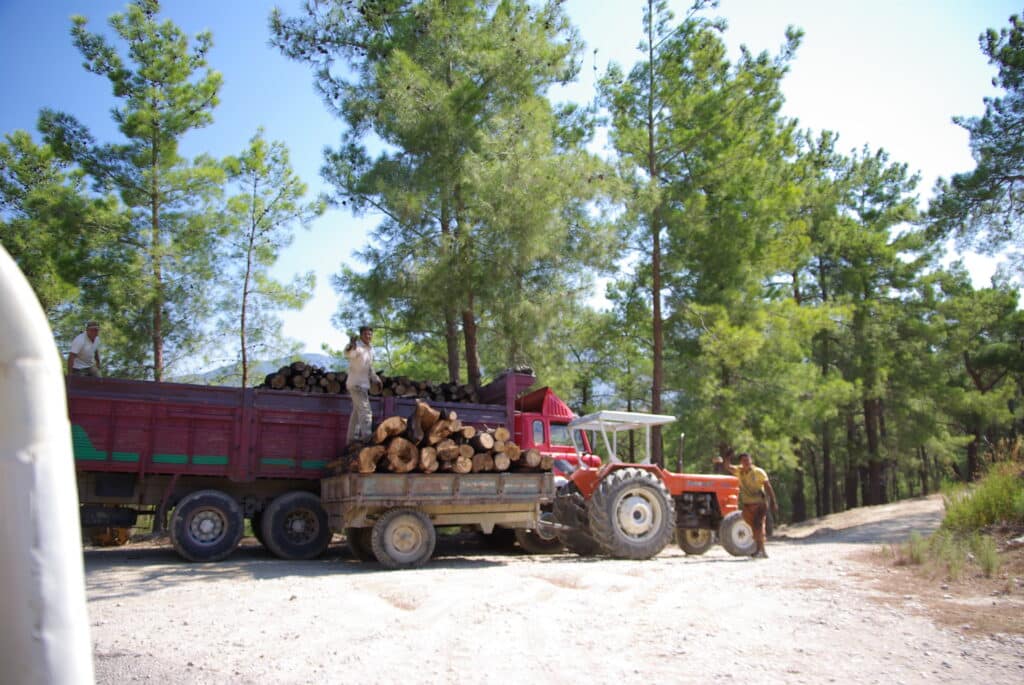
<point>632,511</point>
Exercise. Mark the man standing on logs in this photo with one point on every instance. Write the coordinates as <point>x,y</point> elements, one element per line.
<point>84,356</point>
<point>756,494</point>
<point>360,374</point>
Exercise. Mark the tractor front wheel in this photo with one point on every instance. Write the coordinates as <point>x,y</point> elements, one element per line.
<point>736,535</point>
<point>695,541</point>
<point>632,515</point>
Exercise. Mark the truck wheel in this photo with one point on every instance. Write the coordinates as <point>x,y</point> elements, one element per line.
<point>631,514</point>
<point>403,538</point>
<point>694,540</point>
<point>533,543</point>
<point>571,511</point>
<point>359,542</point>
<point>206,526</point>
<point>295,526</point>
<point>736,535</point>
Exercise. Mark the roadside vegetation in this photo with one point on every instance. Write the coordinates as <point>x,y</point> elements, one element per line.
<point>982,522</point>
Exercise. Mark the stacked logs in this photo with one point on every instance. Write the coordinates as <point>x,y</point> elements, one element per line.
<point>305,378</point>
<point>302,377</point>
<point>433,440</point>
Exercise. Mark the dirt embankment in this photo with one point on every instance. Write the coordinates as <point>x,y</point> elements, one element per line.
<point>817,611</point>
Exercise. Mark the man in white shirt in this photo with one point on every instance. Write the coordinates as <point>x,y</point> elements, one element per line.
<point>84,357</point>
<point>360,374</point>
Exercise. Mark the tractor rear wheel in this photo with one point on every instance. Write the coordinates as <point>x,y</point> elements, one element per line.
<point>571,511</point>
<point>736,535</point>
<point>695,541</point>
<point>631,514</point>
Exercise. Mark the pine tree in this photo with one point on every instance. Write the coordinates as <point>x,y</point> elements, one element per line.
<point>983,207</point>
<point>262,217</point>
<point>164,93</point>
<point>475,184</point>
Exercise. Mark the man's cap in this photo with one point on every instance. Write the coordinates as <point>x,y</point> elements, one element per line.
<point>92,324</point>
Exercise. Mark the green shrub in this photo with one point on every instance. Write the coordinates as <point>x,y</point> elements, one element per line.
<point>917,547</point>
<point>999,496</point>
<point>986,554</point>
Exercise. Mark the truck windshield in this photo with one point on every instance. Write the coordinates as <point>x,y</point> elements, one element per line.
<point>560,435</point>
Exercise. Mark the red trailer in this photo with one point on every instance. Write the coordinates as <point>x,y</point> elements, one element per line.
<point>215,456</point>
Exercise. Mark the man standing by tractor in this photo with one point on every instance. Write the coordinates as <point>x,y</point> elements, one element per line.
<point>359,353</point>
<point>756,494</point>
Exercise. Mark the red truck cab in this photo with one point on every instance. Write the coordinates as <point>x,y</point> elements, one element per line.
<point>542,422</point>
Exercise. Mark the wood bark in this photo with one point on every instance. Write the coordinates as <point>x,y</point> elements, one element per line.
<point>389,428</point>
<point>403,456</point>
<point>428,460</point>
<point>482,442</point>
<point>531,458</point>
<point>369,457</point>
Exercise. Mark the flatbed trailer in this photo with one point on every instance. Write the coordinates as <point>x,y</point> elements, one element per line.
<point>392,517</point>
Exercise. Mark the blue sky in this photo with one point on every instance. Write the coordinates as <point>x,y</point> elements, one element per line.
<point>888,74</point>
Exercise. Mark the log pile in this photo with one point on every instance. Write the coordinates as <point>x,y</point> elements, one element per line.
<point>434,440</point>
<point>302,377</point>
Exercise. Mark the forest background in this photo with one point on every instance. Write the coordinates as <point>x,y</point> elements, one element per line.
<point>667,238</point>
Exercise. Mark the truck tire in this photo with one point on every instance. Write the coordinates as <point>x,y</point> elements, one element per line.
<point>736,535</point>
<point>403,538</point>
<point>571,511</point>
<point>632,515</point>
<point>359,543</point>
<point>206,525</point>
<point>295,526</point>
<point>532,542</point>
<point>695,541</point>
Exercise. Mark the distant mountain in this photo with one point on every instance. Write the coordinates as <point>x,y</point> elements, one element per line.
<point>228,375</point>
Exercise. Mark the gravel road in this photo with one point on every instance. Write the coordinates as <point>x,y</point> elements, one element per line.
<point>808,614</point>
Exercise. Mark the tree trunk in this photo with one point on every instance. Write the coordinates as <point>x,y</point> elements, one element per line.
<point>876,492</point>
<point>469,333</point>
<point>922,456</point>
<point>973,460</point>
<point>828,475</point>
<point>798,501</point>
<point>851,481</point>
<point>657,375</point>
<point>158,283</point>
